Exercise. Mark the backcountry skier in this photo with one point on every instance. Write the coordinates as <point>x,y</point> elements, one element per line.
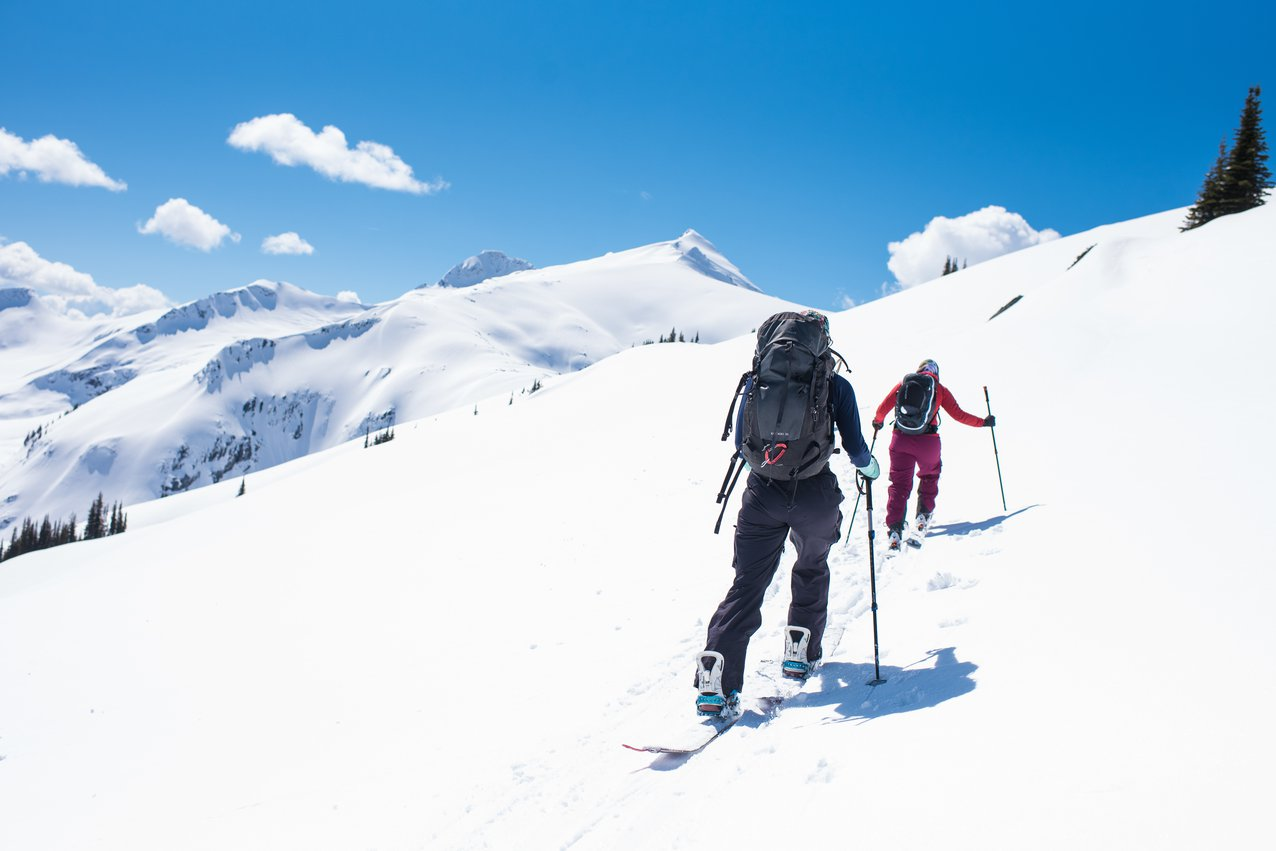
<point>915,444</point>
<point>784,433</point>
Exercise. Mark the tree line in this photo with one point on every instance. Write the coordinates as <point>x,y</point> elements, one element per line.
<point>30,536</point>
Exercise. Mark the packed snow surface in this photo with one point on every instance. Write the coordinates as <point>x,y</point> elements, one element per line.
<point>444,640</point>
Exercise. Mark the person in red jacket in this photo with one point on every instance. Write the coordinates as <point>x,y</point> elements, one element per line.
<point>918,452</point>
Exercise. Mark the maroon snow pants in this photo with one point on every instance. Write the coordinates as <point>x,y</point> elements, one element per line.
<point>909,453</point>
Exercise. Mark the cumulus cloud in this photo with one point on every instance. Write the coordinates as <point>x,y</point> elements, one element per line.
<point>52,160</point>
<point>286,243</point>
<point>350,296</point>
<point>181,222</point>
<point>67,290</point>
<point>974,237</point>
<point>290,142</point>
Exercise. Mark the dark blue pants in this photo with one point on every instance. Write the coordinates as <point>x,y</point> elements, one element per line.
<point>807,512</point>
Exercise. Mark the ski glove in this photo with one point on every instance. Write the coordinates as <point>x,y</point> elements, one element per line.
<point>877,426</point>
<point>871,470</point>
<point>990,421</point>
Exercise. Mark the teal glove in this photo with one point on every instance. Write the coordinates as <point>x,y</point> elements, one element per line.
<point>871,470</point>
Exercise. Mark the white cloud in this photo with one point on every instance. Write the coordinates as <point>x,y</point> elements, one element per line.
<point>68,290</point>
<point>52,160</point>
<point>185,224</point>
<point>350,296</point>
<point>286,243</point>
<point>290,142</point>
<point>973,238</point>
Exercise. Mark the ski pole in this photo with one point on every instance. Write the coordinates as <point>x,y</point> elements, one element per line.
<point>859,493</point>
<point>866,488</point>
<point>993,431</point>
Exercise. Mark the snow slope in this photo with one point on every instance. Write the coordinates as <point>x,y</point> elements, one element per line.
<point>442,641</point>
<point>246,379</point>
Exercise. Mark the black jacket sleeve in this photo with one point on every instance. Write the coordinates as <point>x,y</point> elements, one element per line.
<point>846,415</point>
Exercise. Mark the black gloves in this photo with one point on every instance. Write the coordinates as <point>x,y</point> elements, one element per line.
<point>990,421</point>
<point>877,425</point>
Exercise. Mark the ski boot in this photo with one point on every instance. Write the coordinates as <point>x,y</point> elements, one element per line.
<point>922,522</point>
<point>711,701</point>
<point>895,538</point>
<point>796,641</point>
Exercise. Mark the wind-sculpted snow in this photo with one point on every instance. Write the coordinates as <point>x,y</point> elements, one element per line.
<point>234,360</point>
<point>340,331</point>
<point>698,260</point>
<point>196,315</point>
<point>79,386</point>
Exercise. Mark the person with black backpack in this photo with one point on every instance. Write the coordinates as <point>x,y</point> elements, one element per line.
<point>793,399</point>
<point>915,444</point>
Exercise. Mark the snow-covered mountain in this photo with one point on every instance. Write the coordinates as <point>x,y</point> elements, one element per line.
<point>442,642</point>
<point>480,267</point>
<point>246,379</point>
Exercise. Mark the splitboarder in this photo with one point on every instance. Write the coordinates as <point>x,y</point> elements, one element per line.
<point>915,444</point>
<point>784,434</point>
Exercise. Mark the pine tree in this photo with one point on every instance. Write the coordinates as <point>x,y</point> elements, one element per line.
<point>244,481</point>
<point>95,526</point>
<point>1210,198</point>
<point>1247,177</point>
<point>1239,179</point>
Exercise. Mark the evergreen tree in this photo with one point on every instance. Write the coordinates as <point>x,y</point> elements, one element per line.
<point>95,526</point>
<point>1239,179</point>
<point>1247,177</point>
<point>244,481</point>
<point>1210,199</point>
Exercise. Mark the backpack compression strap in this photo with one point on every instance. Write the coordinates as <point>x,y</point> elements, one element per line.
<point>735,397</point>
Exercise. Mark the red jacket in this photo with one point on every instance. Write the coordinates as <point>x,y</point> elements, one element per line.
<point>943,399</point>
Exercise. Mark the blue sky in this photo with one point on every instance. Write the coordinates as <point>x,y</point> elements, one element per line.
<point>802,139</point>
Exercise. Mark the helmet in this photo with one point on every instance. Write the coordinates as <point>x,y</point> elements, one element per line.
<point>929,365</point>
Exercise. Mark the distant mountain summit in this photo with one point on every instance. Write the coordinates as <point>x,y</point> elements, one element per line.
<point>701,255</point>
<point>481,267</point>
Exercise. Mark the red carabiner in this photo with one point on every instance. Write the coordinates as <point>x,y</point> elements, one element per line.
<point>766,455</point>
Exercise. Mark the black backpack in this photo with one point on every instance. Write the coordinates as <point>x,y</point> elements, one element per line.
<point>915,403</point>
<point>786,419</point>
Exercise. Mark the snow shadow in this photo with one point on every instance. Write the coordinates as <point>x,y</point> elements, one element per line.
<point>844,686</point>
<point>959,529</point>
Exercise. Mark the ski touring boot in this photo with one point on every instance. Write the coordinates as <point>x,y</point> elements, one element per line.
<point>894,539</point>
<point>920,524</point>
<point>796,641</point>
<point>710,701</point>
